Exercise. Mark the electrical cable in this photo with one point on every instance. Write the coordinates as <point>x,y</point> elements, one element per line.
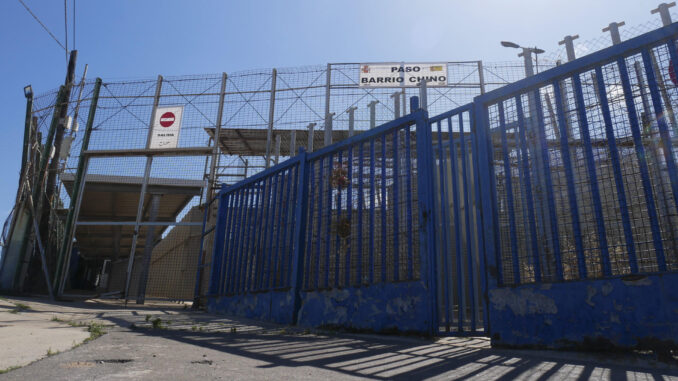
<point>43,26</point>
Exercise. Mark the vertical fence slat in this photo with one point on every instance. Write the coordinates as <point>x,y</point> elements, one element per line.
<point>549,185</point>
<point>338,223</point>
<point>309,257</point>
<point>569,177</point>
<point>640,155</point>
<point>319,221</point>
<point>408,182</point>
<point>527,187</point>
<point>383,209</point>
<point>616,167</point>
<point>361,206</point>
<point>372,207</point>
<point>328,238</point>
<point>396,209</point>
<point>349,208</point>
<point>457,227</point>
<point>593,177</point>
<point>509,196</point>
<point>467,220</point>
<point>444,211</point>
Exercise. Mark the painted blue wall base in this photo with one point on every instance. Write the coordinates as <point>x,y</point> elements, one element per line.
<point>273,306</point>
<point>394,307</point>
<point>632,312</point>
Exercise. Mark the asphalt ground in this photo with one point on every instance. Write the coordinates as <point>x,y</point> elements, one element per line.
<point>164,341</point>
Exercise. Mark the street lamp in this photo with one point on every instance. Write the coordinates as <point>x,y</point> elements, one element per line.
<point>526,54</point>
<point>28,91</point>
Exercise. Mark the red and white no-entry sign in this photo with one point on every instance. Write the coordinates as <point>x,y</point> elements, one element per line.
<point>166,127</point>
<point>167,119</point>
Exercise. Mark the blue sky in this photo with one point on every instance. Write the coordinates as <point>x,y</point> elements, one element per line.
<point>135,38</point>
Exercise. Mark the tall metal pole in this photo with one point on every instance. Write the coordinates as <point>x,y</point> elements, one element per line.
<point>76,194</point>
<point>309,147</point>
<point>351,120</point>
<point>277,148</point>
<point>423,95</point>
<point>664,13</point>
<point>396,104</point>
<point>403,97</point>
<point>148,249</point>
<point>50,185</point>
<point>481,77</point>
<point>328,117</point>
<point>373,113</point>
<point>293,142</point>
<point>271,115</point>
<point>144,184</point>
<point>212,181</point>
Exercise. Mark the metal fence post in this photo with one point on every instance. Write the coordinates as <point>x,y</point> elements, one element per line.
<point>293,143</point>
<point>328,117</point>
<point>396,104</point>
<point>76,198</point>
<point>212,181</point>
<point>423,96</point>
<point>310,137</point>
<point>427,216</point>
<point>144,184</point>
<point>299,234</point>
<point>481,77</point>
<point>351,120</point>
<point>271,115</point>
<point>277,148</point>
<point>373,114</point>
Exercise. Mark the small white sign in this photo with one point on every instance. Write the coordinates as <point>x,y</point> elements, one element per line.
<point>166,127</point>
<point>403,74</point>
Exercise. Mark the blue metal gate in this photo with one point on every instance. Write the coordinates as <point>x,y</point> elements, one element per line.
<point>580,213</point>
<point>545,213</point>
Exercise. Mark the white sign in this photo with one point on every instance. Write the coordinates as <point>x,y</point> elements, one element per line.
<point>166,126</point>
<point>403,74</point>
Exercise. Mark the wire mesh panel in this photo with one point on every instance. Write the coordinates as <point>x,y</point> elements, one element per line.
<point>585,171</point>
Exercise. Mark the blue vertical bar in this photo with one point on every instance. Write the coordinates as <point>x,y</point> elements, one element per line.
<point>383,208</point>
<point>261,248</point>
<point>286,176</point>
<point>288,227</point>
<point>361,206</point>
<point>485,155</point>
<point>293,222</point>
<point>256,253</point>
<point>569,177</point>
<point>473,132</point>
<point>267,204</point>
<point>310,167</point>
<point>528,189</point>
<point>454,172</point>
<point>616,166</point>
<point>445,212</point>
<point>233,249</point>
<point>221,270</point>
<point>228,247</point>
<point>467,218</point>
<point>349,207</point>
<point>408,184</point>
<point>667,143</point>
<point>275,205</point>
<point>328,237</point>
<point>396,210</point>
<point>300,222</point>
<point>319,221</point>
<point>593,178</point>
<point>337,237</point>
<point>246,257</point>
<point>268,232</point>
<point>509,197</point>
<point>541,131</point>
<point>427,216</point>
<point>219,239</point>
<point>240,251</point>
<point>372,207</point>
<point>642,160</point>
<point>201,257</point>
